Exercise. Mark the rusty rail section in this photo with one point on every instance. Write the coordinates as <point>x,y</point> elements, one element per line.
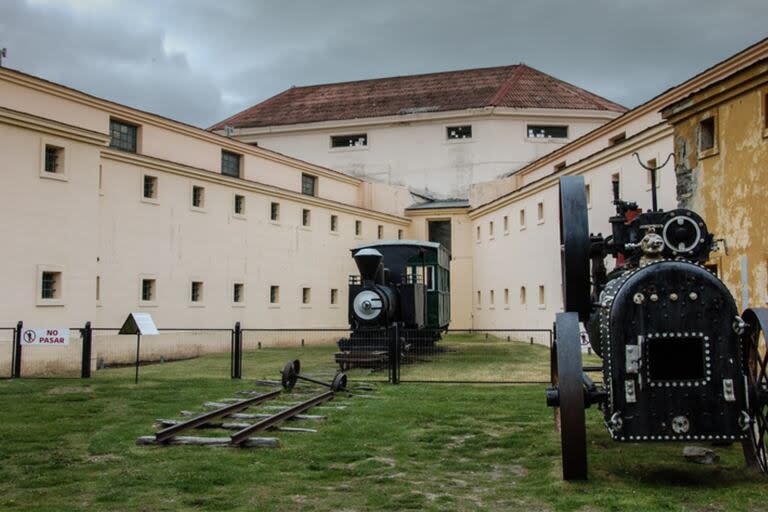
<point>241,436</point>
<point>169,433</point>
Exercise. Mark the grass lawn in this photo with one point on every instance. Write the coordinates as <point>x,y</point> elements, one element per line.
<point>69,445</point>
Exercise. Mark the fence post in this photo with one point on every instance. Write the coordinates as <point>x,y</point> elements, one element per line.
<point>85,368</point>
<point>16,373</point>
<point>391,352</point>
<point>398,353</point>
<point>394,353</point>
<point>237,372</point>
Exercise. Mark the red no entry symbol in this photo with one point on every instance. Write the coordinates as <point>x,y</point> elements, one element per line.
<point>29,336</point>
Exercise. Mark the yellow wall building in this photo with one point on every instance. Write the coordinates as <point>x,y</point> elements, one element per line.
<point>721,148</point>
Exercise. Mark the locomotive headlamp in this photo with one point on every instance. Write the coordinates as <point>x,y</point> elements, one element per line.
<point>681,234</point>
<point>367,305</point>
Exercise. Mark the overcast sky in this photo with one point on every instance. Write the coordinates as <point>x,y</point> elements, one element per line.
<point>201,61</point>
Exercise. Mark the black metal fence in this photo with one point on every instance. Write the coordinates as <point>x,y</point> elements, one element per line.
<point>472,356</point>
<point>393,354</point>
<point>90,348</point>
<point>322,352</point>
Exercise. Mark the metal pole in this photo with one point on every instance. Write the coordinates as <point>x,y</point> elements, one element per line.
<point>16,372</point>
<point>238,373</point>
<point>396,375</point>
<point>85,368</point>
<point>232,354</point>
<point>391,353</point>
<point>138,347</point>
<point>744,284</point>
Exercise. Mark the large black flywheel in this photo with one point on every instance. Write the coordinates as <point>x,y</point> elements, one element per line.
<point>567,396</point>
<point>574,246</point>
<point>756,360</point>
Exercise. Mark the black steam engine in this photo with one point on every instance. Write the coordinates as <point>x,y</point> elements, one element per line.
<point>406,282</point>
<point>678,361</point>
<point>375,301</point>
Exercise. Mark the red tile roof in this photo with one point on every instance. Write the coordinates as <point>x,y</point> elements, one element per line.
<point>517,86</point>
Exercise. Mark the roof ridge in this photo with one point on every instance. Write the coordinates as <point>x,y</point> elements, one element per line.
<point>417,75</point>
<point>507,85</point>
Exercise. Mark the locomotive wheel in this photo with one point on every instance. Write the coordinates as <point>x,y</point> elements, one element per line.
<point>574,246</point>
<point>339,382</point>
<point>569,415</point>
<point>290,374</point>
<point>756,360</point>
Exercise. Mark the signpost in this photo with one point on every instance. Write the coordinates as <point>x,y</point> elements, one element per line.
<point>138,324</point>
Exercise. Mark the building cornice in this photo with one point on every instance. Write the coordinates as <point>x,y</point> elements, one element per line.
<point>629,146</point>
<point>55,128</point>
<point>147,162</point>
<point>140,117</point>
<point>248,134</point>
<point>717,93</point>
<point>437,212</point>
<point>717,72</point>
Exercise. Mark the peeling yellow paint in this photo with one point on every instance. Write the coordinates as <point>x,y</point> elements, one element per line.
<point>728,184</point>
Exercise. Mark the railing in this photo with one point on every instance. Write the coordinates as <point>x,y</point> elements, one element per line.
<point>394,354</point>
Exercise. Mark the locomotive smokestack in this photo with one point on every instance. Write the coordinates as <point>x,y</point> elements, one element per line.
<point>368,263</point>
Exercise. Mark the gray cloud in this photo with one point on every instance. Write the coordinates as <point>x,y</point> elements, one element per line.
<point>200,61</point>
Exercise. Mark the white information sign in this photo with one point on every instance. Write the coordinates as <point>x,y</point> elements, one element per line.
<point>45,336</point>
<point>139,323</point>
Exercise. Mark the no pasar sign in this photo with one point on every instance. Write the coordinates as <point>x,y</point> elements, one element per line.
<point>45,336</point>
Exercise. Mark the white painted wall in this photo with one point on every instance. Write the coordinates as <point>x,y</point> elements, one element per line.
<point>418,154</point>
<point>92,222</point>
<point>530,257</point>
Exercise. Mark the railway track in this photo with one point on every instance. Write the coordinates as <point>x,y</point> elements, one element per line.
<point>244,434</point>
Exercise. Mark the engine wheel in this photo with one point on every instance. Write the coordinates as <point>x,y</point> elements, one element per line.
<point>566,376</point>
<point>574,246</point>
<point>289,374</point>
<point>756,360</point>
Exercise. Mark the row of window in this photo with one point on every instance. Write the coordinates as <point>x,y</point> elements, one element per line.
<point>124,136</point>
<point>357,140</point>
<point>197,293</point>
<point>615,183</point>
<point>506,223</point>
<point>150,192</point>
<point>51,290</point>
<point>523,297</point>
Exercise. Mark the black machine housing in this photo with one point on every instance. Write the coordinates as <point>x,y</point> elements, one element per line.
<point>678,362</point>
<point>664,326</point>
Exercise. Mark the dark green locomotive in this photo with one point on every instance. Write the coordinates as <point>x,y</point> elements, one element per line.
<point>400,281</point>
